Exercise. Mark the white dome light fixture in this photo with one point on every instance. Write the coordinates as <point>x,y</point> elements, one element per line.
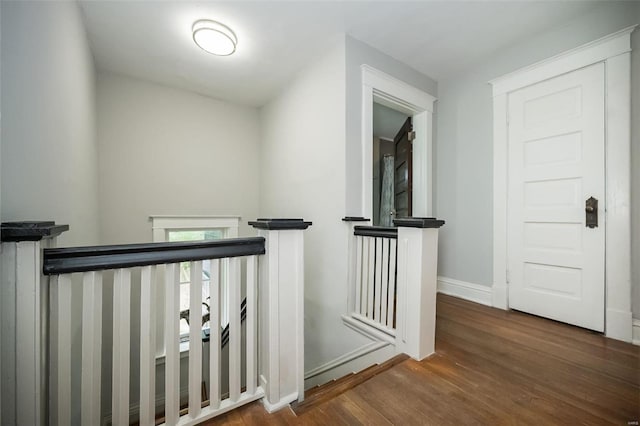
<point>214,37</point>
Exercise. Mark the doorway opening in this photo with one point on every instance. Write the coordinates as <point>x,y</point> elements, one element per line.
<point>392,165</point>
<point>414,181</point>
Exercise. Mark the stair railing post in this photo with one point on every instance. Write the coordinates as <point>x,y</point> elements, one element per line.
<point>417,263</point>
<point>24,313</point>
<point>281,311</point>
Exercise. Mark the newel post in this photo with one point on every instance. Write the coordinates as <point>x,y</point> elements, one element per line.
<point>281,311</point>
<point>24,307</point>
<point>417,285</point>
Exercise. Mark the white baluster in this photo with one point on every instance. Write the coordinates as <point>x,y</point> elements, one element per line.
<point>365,275</point>
<point>358,283</point>
<point>61,362</point>
<point>371,276</point>
<point>224,285</point>
<point>172,343</point>
<point>195,339</point>
<point>251,322</point>
<point>392,284</point>
<point>121,333</point>
<point>235,332</point>
<point>147,346</point>
<point>384,292</point>
<point>378,281</point>
<point>91,347</point>
<point>214,339</point>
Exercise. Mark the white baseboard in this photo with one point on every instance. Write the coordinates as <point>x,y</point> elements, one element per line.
<point>284,402</point>
<point>465,290</point>
<point>619,325</point>
<point>636,332</point>
<point>380,349</point>
<point>367,330</point>
<point>352,362</point>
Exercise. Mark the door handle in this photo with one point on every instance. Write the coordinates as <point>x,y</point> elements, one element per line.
<point>591,212</point>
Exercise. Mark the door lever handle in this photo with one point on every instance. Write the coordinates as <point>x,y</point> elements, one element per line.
<point>591,212</point>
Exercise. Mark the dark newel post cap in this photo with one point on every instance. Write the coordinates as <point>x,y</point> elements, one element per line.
<point>31,230</point>
<point>279,224</point>
<point>355,219</point>
<point>418,222</point>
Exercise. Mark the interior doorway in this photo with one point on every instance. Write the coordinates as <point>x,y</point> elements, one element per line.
<point>556,191</point>
<point>614,51</point>
<point>380,89</point>
<point>392,165</point>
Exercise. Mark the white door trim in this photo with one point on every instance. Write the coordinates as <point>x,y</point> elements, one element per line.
<point>398,95</point>
<point>614,50</point>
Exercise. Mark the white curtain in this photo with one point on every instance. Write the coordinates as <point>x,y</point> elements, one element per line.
<point>386,194</point>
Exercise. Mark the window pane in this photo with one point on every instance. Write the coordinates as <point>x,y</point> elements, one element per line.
<point>197,235</point>
<point>185,270</point>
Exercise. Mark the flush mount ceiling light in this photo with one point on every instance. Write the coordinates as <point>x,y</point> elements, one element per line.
<point>214,37</point>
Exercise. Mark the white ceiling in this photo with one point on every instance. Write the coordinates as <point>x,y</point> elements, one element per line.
<point>152,39</point>
<point>386,121</point>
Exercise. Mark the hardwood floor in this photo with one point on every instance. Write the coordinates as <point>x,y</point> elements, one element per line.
<point>490,367</point>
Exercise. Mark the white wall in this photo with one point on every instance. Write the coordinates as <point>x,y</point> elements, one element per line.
<point>357,54</point>
<point>464,142</point>
<point>168,151</point>
<point>49,155</point>
<point>635,168</point>
<point>302,175</point>
<point>49,148</point>
<point>311,166</point>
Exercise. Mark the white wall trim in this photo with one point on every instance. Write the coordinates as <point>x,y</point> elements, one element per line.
<point>398,95</point>
<point>367,330</point>
<point>285,401</point>
<point>370,354</point>
<point>614,51</point>
<point>636,332</point>
<point>596,51</point>
<point>465,290</point>
<point>343,359</point>
<point>177,222</point>
<point>403,93</point>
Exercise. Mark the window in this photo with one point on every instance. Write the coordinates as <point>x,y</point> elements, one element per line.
<point>185,273</point>
<point>195,228</point>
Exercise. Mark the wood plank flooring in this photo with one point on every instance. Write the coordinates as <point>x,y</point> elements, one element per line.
<point>491,367</point>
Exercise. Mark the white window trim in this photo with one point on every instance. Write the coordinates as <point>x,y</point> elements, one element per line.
<point>614,51</point>
<point>396,94</point>
<point>161,225</point>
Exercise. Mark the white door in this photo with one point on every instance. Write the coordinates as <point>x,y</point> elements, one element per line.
<point>556,163</point>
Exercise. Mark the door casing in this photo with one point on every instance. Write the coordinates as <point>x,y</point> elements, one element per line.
<point>614,51</point>
<point>396,94</point>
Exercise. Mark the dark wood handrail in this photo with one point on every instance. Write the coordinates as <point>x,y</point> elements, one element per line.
<point>96,258</point>
<point>355,219</point>
<point>376,231</point>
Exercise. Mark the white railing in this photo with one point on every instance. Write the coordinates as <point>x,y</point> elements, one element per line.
<point>392,282</point>
<point>89,274</point>
<point>375,277</point>
<point>133,266</point>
